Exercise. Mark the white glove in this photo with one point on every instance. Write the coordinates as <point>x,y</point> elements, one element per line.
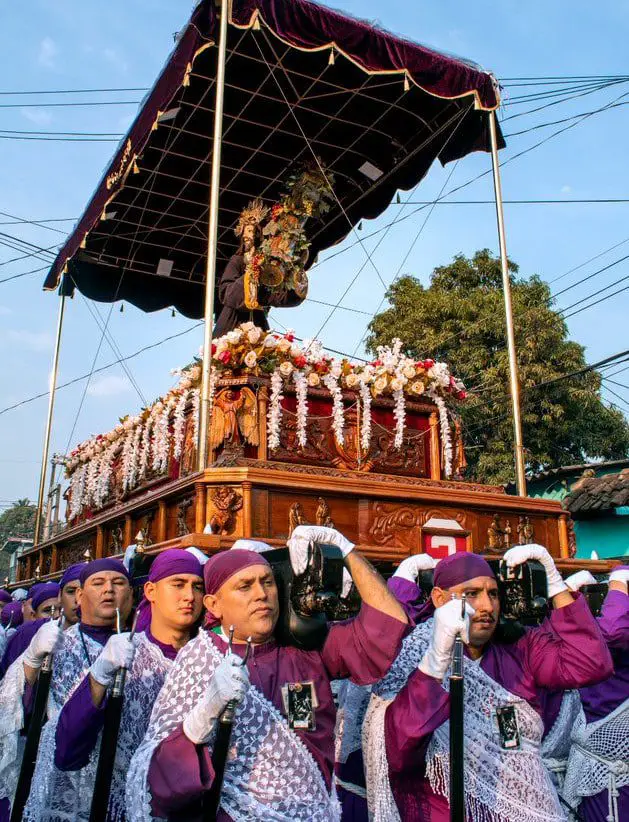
<point>117,653</point>
<point>578,580</point>
<point>521,553</point>
<point>230,682</point>
<point>448,625</point>
<point>303,535</point>
<point>46,641</point>
<point>620,575</point>
<point>410,567</point>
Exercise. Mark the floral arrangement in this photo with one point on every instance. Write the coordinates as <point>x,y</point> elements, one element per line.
<point>144,443</point>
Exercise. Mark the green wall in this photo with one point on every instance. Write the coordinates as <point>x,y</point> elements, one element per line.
<point>608,536</point>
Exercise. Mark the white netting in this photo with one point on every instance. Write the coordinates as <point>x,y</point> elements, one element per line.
<point>350,727</point>
<point>599,758</point>
<point>270,775</point>
<point>11,723</point>
<point>501,785</point>
<point>556,744</point>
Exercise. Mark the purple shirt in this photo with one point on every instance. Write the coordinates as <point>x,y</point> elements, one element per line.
<point>566,651</point>
<point>362,649</point>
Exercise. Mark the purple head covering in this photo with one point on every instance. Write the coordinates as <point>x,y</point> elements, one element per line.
<point>11,615</point>
<point>34,589</point>
<point>71,574</point>
<point>460,567</point>
<point>97,566</point>
<point>5,596</point>
<point>223,566</point>
<point>143,612</point>
<point>46,590</point>
<point>174,561</point>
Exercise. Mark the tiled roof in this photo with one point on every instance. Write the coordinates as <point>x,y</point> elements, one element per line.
<point>596,494</point>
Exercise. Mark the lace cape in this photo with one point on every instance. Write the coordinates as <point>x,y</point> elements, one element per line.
<point>500,785</point>
<point>599,758</point>
<point>11,723</point>
<point>556,743</point>
<point>270,774</point>
<point>61,796</point>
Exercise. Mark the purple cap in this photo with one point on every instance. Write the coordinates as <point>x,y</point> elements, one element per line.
<point>223,566</point>
<point>172,562</point>
<point>71,574</point>
<point>46,590</point>
<point>97,566</point>
<point>458,568</point>
<point>5,596</point>
<point>11,615</point>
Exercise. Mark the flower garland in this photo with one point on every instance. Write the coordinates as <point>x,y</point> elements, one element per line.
<point>179,423</point>
<point>161,439</point>
<point>274,418</point>
<point>446,434</point>
<point>365,422</point>
<point>196,409</point>
<point>145,448</point>
<point>301,396</point>
<point>331,382</point>
<point>399,414</point>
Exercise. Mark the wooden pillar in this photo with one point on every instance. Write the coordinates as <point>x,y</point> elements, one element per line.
<point>54,560</point>
<point>199,506</point>
<point>100,542</point>
<point>246,509</point>
<point>161,520</point>
<point>435,448</point>
<point>263,404</point>
<point>128,530</point>
<point>564,542</point>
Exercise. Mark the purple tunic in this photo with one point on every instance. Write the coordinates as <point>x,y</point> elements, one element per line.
<point>600,700</point>
<point>566,651</point>
<point>361,649</point>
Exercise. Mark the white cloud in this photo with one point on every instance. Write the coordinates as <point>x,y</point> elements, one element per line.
<point>37,116</point>
<point>48,51</point>
<point>566,189</point>
<point>29,340</point>
<point>116,59</point>
<point>109,386</point>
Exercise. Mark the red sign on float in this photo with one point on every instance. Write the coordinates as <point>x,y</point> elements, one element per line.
<point>442,545</point>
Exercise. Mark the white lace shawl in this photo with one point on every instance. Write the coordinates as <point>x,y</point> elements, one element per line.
<point>500,785</point>
<point>60,796</point>
<point>11,723</point>
<point>556,743</point>
<point>270,774</point>
<point>599,758</point>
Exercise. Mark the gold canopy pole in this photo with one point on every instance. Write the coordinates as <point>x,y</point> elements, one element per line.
<point>212,245</point>
<point>514,383</point>
<point>51,405</point>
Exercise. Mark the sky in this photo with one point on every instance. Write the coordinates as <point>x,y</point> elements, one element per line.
<point>71,44</point>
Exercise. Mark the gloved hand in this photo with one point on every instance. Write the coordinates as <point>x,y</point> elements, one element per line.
<point>117,653</point>
<point>521,553</point>
<point>230,681</point>
<point>579,579</point>
<point>448,624</point>
<point>46,641</point>
<point>620,574</point>
<point>303,535</point>
<point>410,567</point>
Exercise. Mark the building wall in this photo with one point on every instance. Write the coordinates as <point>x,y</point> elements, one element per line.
<point>608,536</point>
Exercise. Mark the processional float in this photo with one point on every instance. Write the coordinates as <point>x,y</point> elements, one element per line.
<point>262,434</point>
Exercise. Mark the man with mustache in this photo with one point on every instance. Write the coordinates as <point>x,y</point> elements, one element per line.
<point>175,593</point>
<point>406,727</point>
<point>104,587</point>
<point>282,746</point>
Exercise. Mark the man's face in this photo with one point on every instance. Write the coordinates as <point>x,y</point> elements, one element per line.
<point>101,594</point>
<point>47,608</point>
<point>177,601</point>
<point>69,602</point>
<point>27,610</point>
<point>482,594</point>
<point>249,602</point>
<point>248,236</point>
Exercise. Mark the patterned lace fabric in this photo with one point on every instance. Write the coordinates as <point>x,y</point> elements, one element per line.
<point>501,785</point>
<point>599,758</point>
<point>66,796</point>
<point>11,723</point>
<point>270,775</point>
<point>351,715</point>
<point>556,744</point>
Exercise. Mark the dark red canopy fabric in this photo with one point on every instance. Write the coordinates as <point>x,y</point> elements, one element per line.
<point>377,113</point>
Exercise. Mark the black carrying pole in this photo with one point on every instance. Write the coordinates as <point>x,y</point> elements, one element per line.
<point>457,767</point>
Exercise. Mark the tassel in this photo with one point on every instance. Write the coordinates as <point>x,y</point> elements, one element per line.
<point>136,167</point>
<point>256,23</point>
<point>186,77</point>
<point>407,84</point>
<point>332,58</point>
<point>122,308</point>
<point>84,242</point>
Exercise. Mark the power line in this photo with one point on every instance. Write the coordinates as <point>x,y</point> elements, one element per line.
<point>523,202</point>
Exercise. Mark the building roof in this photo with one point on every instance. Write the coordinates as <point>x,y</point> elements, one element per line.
<point>592,495</point>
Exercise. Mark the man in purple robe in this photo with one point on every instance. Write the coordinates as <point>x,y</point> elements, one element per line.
<point>281,753</point>
<point>597,778</point>
<point>407,728</point>
<point>174,592</point>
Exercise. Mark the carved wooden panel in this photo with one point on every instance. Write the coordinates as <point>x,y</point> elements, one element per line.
<point>75,551</point>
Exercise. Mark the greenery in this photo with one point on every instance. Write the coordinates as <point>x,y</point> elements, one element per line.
<point>16,521</point>
<point>460,319</point>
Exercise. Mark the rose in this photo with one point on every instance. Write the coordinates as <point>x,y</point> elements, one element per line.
<point>300,361</point>
<point>284,345</point>
<point>352,380</point>
<point>416,387</point>
<point>380,384</point>
<point>462,395</point>
<point>234,336</point>
<point>289,336</point>
<point>313,379</point>
<point>270,342</point>
<point>253,335</point>
<point>286,369</point>
<point>195,372</point>
<point>409,371</point>
<point>251,359</point>
<point>397,384</point>
<point>225,357</point>
<point>247,326</point>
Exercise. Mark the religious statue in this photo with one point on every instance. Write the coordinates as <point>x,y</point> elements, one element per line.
<point>525,531</point>
<point>234,413</point>
<point>498,536</point>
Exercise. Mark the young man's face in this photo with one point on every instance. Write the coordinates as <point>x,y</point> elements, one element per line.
<point>69,602</point>
<point>482,594</point>
<point>248,601</point>
<point>47,608</point>
<point>27,610</point>
<point>101,594</point>
<point>176,601</point>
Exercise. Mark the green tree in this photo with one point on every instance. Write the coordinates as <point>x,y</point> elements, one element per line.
<point>459,319</point>
<point>18,520</point>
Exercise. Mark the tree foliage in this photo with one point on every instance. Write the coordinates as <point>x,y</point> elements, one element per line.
<point>18,521</point>
<point>460,319</point>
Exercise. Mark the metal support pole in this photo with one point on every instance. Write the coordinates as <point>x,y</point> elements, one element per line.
<point>210,269</point>
<point>51,405</point>
<point>514,383</point>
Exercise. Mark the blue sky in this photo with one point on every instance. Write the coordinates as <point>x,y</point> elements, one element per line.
<point>67,44</point>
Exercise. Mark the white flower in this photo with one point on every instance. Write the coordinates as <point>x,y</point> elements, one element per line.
<point>336,368</point>
<point>397,384</point>
<point>313,379</point>
<point>338,411</point>
<point>409,371</point>
<point>234,336</point>
<point>399,412</point>
<point>270,342</point>
<point>352,380</point>
<point>251,359</point>
<point>284,345</point>
<point>253,335</point>
<point>301,395</point>
<point>295,350</point>
<point>416,387</point>
<point>249,326</point>
<point>286,369</point>
<point>275,411</point>
<point>380,384</point>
